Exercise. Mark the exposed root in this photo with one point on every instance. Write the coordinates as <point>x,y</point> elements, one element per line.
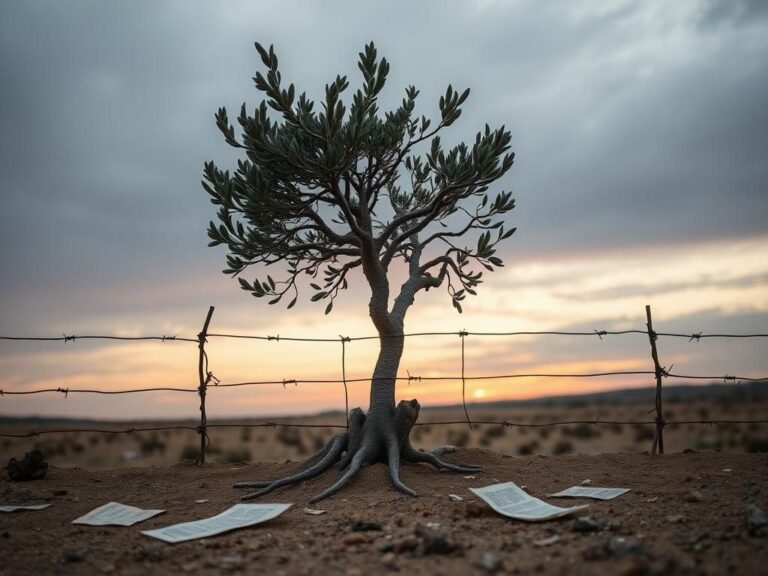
<point>336,446</point>
<point>357,462</point>
<point>383,438</point>
<point>411,455</point>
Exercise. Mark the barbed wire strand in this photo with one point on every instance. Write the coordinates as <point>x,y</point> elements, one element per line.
<point>462,378</point>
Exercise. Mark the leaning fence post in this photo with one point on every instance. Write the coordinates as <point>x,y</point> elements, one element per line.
<point>205,376</point>
<point>658,439</point>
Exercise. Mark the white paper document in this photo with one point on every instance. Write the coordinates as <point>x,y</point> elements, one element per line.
<point>115,514</point>
<point>239,516</point>
<point>511,500</point>
<point>21,508</point>
<point>591,492</point>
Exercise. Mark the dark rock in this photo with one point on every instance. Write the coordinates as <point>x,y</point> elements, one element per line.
<point>59,492</point>
<point>621,547</point>
<point>365,526</point>
<point>614,548</point>
<point>151,551</point>
<point>69,555</point>
<point>756,520</point>
<point>585,524</point>
<point>474,509</point>
<point>434,542</point>
<point>694,496</point>
<point>32,467</point>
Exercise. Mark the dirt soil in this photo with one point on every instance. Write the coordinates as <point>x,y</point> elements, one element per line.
<point>686,514</point>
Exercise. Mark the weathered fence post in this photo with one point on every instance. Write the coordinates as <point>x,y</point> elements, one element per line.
<point>658,439</point>
<point>205,377</point>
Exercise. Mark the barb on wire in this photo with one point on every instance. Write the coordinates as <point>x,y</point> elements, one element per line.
<point>601,333</point>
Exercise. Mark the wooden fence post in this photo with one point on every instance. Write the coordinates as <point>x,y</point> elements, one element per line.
<point>658,439</point>
<point>205,377</point>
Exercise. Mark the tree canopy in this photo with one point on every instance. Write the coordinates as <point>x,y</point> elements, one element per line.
<point>323,191</point>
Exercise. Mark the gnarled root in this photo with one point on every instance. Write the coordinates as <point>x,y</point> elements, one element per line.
<point>368,440</point>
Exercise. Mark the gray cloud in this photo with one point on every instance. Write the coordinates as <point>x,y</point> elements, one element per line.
<point>633,125</point>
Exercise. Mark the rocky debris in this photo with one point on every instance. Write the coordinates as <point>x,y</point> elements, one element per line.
<point>389,561</point>
<point>614,548</point>
<point>32,467</point>
<point>548,541</point>
<point>151,552</point>
<point>70,555</point>
<point>694,496</point>
<point>435,542</point>
<point>365,526</point>
<point>584,524</point>
<point>455,497</point>
<point>230,563</point>
<point>756,520</point>
<point>473,509</point>
<point>586,482</point>
<point>491,563</point>
<point>354,539</point>
<point>407,544</point>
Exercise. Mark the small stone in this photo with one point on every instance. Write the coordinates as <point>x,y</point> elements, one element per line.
<point>455,497</point>
<point>434,542</point>
<point>108,568</point>
<point>621,547</point>
<point>469,477</point>
<point>69,555</point>
<point>59,492</point>
<point>313,512</point>
<point>441,450</point>
<point>689,451</point>
<point>354,539</point>
<point>491,563</point>
<point>407,544</point>
<point>385,546</point>
<point>727,470</point>
<point>554,539</point>
<point>586,482</point>
<point>694,496</point>
<point>389,561</point>
<point>433,525</point>
<point>190,567</point>
<point>231,563</point>
<point>675,518</point>
<point>365,526</point>
<point>756,520</point>
<point>584,524</point>
<point>201,501</point>
<point>474,509</point>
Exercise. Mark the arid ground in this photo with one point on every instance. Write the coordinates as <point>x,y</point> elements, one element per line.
<point>695,510</point>
<point>686,514</point>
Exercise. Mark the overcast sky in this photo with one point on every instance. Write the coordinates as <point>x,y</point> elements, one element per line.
<point>640,128</point>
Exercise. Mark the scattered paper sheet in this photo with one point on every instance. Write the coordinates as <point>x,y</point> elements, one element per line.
<point>238,516</point>
<point>511,500</point>
<point>591,492</point>
<point>21,508</point>
<point>115,514</point>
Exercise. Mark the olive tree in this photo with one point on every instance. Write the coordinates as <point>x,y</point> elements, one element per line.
<point>322,193</point>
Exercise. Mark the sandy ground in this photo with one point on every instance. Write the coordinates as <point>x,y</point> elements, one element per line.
<point>686,514</point>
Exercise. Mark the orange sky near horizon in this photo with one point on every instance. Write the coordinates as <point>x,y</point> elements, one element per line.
<point>714,282</point>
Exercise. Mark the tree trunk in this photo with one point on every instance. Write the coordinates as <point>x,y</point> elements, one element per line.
<point>383,381</point>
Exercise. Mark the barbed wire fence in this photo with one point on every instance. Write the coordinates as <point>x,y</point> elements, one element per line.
<point>206,377</point>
